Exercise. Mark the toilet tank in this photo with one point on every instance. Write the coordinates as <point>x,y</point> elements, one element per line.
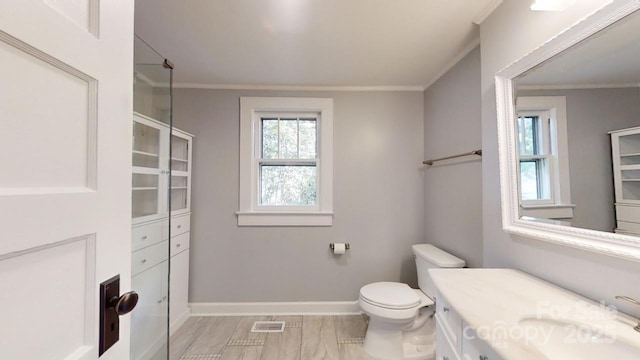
<point>430,257</point>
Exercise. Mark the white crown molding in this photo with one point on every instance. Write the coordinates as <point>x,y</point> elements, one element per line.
<point>295,87</point>
<point>605,243</point>
<point>577,86</point>
<point>275,308</point>
<point>486,11</point>
<point>454,61</point>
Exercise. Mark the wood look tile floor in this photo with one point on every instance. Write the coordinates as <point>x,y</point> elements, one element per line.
<point>303,338</point>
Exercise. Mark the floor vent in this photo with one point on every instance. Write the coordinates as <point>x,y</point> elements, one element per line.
<point>268,326</point>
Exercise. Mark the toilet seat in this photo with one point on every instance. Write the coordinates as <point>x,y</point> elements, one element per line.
<point>392,301</point>
<point>390,295</point>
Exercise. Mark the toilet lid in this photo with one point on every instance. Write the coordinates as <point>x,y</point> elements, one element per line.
<point>390,295</point>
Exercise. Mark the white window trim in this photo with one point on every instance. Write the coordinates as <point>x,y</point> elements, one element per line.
<point>249,213</point>
<point>560,178</point>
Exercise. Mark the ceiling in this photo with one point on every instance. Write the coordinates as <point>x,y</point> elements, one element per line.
<point>606,59</point>
<point>307,43</point>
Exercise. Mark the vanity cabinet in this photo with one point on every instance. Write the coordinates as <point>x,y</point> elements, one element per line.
<point>160,249</point>
<point>625,151</point>
<point>455,340</point>
<point>508,314</point>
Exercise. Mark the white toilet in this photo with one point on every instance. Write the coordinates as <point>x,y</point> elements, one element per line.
<point>401,324</point>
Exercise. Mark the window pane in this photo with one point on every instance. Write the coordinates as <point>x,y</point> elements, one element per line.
<point>527,135</point>
<point>534,179</point>
<point>269,138</point>
<point>307,138</point>
<point>288,138</point>
<point>528,180</point>
<point>288,185</point>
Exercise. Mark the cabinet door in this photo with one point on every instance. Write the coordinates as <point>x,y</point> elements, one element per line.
<point>450,322</point>
<point>444,348</point>
<point>179,291</point>
<point>626,165</point>
<point>146,144</point>
<point>149,173</point>
<point>474,348</point>
<point>148,319</point>
<point>180,172</point>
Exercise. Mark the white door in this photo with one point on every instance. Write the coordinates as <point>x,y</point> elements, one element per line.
<point>65,138</point>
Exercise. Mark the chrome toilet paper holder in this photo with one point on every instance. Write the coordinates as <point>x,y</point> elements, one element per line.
<point>346,246</point>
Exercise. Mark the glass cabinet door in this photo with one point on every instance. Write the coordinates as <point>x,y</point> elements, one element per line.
<point>627,166</point>
<point>179,153</point>
<point>148,172</point>
<point>180,172</point>
<point>145,195</point>
<point>146,145</point>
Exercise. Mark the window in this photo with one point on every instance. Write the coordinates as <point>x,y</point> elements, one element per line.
<point>543,169</point>
<point>534,150</point>
<point>286,162</point>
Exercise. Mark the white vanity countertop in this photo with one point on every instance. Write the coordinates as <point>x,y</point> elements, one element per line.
<point>495,300</point>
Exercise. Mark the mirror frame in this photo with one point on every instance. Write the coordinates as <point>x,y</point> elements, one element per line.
<point>612,244</point>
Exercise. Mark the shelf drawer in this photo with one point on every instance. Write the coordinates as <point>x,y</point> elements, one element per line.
<point>180,243</point>
<point>146,235</point>
<point>180,225</point>
<point>148,257</point>
<point>451,322</point>
<point>628,213</point>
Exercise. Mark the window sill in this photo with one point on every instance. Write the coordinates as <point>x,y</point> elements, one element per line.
<point>263,218</point>
<point>548,211</point>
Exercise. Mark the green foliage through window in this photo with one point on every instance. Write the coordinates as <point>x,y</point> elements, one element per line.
<point>288,167</point>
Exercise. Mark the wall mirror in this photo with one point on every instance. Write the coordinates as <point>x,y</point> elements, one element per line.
<point>569,136</point>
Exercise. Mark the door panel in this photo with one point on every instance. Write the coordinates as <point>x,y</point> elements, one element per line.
<point>69,162</point>
<point>64,269</point>
<point>65,184</point>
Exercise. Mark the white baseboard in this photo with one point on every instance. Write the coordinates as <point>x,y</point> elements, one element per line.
<point>275,308</point>
<point>179,321</point>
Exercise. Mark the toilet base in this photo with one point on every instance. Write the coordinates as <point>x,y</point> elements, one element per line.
<point>386,341</point>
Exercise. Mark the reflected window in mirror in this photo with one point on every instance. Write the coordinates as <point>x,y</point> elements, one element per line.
<point>541,139</point>
<point>534,150</point>
<point>594,66</point>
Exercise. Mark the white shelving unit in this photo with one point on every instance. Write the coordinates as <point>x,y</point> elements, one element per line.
<point>625,151</point>
<point>158,251</point>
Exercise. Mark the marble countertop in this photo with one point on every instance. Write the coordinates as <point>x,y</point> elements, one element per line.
<point>494,301</point>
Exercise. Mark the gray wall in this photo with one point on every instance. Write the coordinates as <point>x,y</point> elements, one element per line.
<point>591,114</point>
<point>453,188</point>
<point>510,32</point>
<point>378,202</point>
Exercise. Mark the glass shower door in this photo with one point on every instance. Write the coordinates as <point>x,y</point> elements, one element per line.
<point>150,200</point>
